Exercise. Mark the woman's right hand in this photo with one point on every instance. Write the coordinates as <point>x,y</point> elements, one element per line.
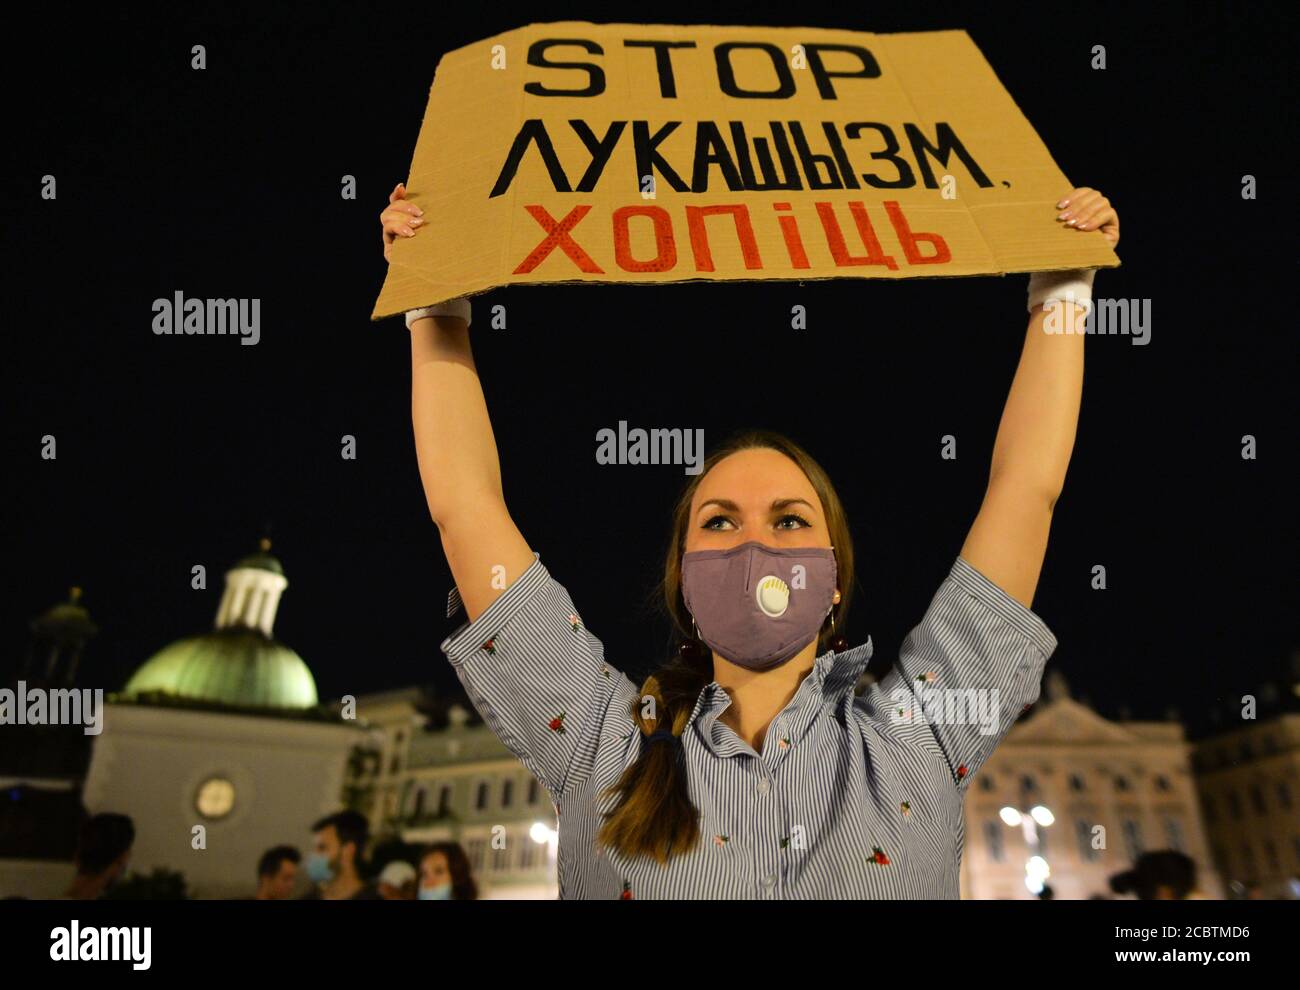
<point>399,219</point>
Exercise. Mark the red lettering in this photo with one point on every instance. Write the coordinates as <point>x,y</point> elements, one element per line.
<point>557,235</point>
<point>909,240</point>
<point>665,244</point>
<point>839,249</point>
<point>700,237</point>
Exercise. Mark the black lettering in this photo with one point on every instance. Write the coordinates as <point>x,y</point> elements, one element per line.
<point>600,149</point>
<point>711,149</point>
<point>765,164</point>
<point>648,159</point>
<point>870,68</point>
<point>727,75</point>
<point>947,144</point>
<point>532,131</point>
<point>906,177</point>
<point>811,161</point>
<point>595,74</point>
<point>663,62</point>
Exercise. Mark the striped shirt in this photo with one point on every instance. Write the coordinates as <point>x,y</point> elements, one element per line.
<point>852,795</point>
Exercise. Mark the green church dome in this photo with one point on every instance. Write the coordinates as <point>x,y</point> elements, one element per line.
<point>232,666</point>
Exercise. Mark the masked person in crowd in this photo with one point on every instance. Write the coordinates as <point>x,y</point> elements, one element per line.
<point>748,767</point>
<point>445,874</point>
<point>335,863</point>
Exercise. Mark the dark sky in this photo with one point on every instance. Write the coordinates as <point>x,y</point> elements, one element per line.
<point>177,451</point>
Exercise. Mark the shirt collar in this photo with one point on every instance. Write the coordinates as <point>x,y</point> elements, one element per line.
<point>833,676</point>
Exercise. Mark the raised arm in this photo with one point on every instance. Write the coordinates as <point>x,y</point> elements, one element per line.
<point>1035,438</point>
<point>454,445</point>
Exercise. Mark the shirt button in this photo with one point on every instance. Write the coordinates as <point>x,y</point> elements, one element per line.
<point>764,785</point>
<point>769,881</point>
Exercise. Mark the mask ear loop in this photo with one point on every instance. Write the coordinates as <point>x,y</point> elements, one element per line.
<point>693,650</point>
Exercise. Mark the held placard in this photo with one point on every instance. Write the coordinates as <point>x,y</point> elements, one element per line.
<point>650,153</point>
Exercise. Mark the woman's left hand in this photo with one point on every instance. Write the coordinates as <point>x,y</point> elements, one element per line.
<point>1087,209</point>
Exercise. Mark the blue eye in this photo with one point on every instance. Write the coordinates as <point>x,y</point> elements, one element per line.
<point>792,517</point>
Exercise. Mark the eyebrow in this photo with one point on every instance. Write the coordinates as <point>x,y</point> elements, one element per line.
<point>778,504</point>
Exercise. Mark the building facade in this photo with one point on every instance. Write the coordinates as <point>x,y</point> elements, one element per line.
<point>218,748</point>
<point>1247,779</point>
<point>442,775</point>
<point>1110,790</point>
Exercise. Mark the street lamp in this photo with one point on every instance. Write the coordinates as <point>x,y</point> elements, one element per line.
<point>1036,869</point>
<point>543,834</point>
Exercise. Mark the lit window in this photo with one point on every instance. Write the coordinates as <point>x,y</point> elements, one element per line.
<point>1257,799</point>
<point>993,838</point>
<point>1174,834</point>
<point>474,853</point>
<point>1270,852</point>
<point>1083,832</point>
<point>1132,838</point>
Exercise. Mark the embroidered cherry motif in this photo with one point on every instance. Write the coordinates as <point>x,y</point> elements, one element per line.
<point>573,621</point>
<point>490,645</point>
<point>905,808</point>
<point>929,677</point>
<point>627,892</point>
<point>557,724</point>
<point>721,840</point>
<point>962,771</point>
<point>878,856</point>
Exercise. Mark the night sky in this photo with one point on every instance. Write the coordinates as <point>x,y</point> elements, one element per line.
<point>176,451</point>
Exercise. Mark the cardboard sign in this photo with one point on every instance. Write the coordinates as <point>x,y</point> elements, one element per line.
<point>650,153</point>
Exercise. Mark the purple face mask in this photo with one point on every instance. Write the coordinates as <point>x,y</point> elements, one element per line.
<point>756,605</point>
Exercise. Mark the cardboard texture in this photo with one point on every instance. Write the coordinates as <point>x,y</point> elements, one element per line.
<point>582,152</point>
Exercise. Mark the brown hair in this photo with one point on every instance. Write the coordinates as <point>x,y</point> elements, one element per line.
<point>463,887</point>
<point>653,815</point>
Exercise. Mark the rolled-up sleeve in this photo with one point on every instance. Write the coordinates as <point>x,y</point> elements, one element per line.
<point>537,676</point>
<point>969,669</point>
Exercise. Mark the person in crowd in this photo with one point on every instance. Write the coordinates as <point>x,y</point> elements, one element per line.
<point>277,872</point>
<point>445,874</point>
<point>397,881</point>
<point>1164,875</point>
<point>103,852</point>
<point>337,860</point>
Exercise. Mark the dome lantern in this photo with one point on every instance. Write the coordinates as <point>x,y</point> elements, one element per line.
<point>253,589</point>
